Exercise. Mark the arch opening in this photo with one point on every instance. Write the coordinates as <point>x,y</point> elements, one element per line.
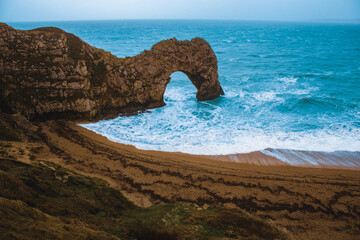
<point>180,88</point>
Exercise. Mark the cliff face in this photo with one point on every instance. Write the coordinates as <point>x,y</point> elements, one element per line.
<point>48,71</point>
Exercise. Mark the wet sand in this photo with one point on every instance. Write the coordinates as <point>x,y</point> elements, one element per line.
<point>310,203</point>
<point>283,157</point>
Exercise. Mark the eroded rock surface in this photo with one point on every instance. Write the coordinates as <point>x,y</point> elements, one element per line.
<point>48,71</point>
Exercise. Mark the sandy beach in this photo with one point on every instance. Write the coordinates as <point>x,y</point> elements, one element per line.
<point>309,203</point>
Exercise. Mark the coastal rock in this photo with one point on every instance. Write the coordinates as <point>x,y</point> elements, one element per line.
<point>47,72</point>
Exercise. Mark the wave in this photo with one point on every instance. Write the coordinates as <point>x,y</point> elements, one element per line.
<point>178,95</point>
<point>265,96</point>
<point>190,134</point>
<point>288,79</point>
<point>316,158</point>
<point>288,113</point>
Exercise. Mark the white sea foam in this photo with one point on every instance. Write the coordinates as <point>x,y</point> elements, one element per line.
<point>316,158</point>
<point>178,94</point>
<point>301,91</point>
<point>191,135</point>
<point>208,128</point>
<point>288,79</point>
<point>265,96</point>
<point>242,121</point>
<point>232,94</point>
<point>245,79</point>
<point>268,96</point>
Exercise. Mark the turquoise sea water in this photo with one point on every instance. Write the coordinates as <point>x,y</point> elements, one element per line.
<point>287,86</point>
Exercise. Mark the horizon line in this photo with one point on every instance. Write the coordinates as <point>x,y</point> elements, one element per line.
<point>195,19</point>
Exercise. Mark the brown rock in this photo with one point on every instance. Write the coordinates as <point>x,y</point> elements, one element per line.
<point>37,68</point>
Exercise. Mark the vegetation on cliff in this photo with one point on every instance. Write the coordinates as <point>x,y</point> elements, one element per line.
<point>45,201</point>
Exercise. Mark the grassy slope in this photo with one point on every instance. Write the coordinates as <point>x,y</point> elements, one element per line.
<point>46,201</point>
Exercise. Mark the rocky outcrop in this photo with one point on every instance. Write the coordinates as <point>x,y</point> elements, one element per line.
<point>47,71</point>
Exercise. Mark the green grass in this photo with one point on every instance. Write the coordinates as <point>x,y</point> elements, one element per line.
<point>84,201</point>
<point>8,131</point>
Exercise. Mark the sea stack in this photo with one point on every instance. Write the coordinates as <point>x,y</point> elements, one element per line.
<point>47,73</point>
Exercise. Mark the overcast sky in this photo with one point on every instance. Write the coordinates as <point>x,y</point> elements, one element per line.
<point>288,10</point>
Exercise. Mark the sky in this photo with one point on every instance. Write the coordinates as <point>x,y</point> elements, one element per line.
<point>274,10</point>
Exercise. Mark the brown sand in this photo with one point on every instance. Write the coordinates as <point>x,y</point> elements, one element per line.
<point>310,203</point>
<point>322,159</point>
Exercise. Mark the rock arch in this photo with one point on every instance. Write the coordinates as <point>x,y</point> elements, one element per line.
<point>48,71</point>
<point>194,58</point>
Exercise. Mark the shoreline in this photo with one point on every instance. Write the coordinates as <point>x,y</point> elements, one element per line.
<point>294,198</point>
<point>296,158</point>
<point>345,160</point>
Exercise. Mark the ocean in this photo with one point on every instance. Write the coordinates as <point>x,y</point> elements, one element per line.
<point>288,86</point>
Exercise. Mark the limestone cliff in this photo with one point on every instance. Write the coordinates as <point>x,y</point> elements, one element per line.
<point>47,71</point>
